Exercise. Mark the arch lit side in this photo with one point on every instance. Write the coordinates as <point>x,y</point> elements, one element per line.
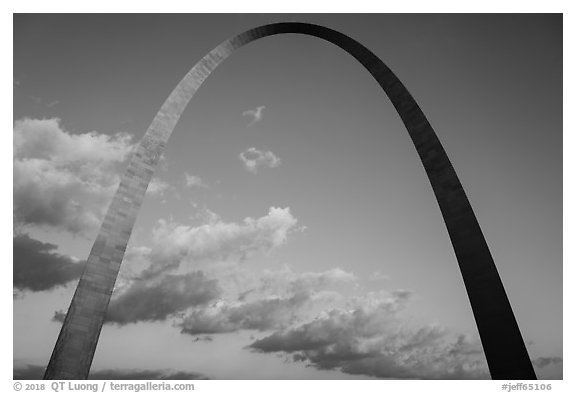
<point>502,341</point>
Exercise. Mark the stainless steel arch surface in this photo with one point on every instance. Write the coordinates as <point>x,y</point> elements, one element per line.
<point>501,338</point>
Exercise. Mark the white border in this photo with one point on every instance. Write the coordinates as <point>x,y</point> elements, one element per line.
<point>260,6</point>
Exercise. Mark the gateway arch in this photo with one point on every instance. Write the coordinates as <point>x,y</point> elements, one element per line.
<point>502,341</point>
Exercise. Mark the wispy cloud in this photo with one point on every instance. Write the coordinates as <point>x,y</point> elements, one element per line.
<point>41,101</point>
<point>194,181</point>
<point>158,187</point>
<point>379,276</point>
<point>256,114</point>
<point>254,159</point>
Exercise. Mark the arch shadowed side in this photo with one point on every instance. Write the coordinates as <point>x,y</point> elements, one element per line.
<point>502,341</point>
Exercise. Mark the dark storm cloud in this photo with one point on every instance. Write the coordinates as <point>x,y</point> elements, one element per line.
<point>154,301</point>
<point>37,372</point>
<point>38,267</point>
<point>371,339</point>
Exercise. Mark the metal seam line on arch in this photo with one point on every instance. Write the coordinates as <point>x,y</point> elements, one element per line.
<point>502,341</point>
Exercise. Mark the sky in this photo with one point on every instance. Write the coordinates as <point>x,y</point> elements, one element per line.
<point>290,231</point>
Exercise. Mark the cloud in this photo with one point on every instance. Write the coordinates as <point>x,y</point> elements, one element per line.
<point>261,314</point>
<point>63,180</point>
<point>255,113</point>
<point>309,281</point>
<point>205,338</point>
<point>33,372</point>
<point>206,241</point>
<point>279,299</point>
<point>379,276</point>
<point>194,181</point>
<point>218,240</point>
<point>254,159</point>
<point>157,300</point>
<point>370,339</point>
<point>144,375</point>
<point>59,316</point>
<point>156,283</point>
<point>542,362</point>
<point>548,367</point>
<point>28,372</point>
<point>158,187</point>
<point>38,267</point>
<point>146,292</point>
<point>42,101</point>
